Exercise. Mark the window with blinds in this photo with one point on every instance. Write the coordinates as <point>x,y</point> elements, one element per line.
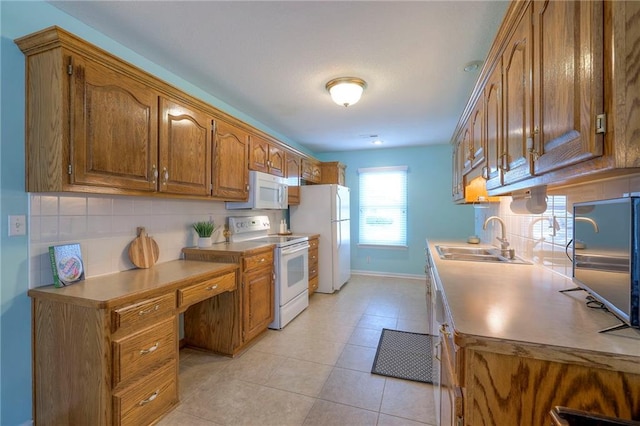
<point>383,206</point>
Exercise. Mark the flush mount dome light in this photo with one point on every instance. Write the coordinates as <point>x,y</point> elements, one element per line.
<point>346,90</point>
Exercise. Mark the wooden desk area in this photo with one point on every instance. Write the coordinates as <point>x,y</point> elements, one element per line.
<point>105,351</point>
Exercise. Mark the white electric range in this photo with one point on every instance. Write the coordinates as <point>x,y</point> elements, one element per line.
<point>291,264</point>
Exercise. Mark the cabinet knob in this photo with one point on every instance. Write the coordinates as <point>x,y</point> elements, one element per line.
<point>165,175</point>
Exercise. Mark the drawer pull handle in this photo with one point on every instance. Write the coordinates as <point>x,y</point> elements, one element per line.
<point>151,349</point>
<point>213,287</point>
<point>262,260</point>
<point>148,311</point>
<point>151,398</point>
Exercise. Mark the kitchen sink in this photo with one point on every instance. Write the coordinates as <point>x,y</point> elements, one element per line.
<point>477,254</point>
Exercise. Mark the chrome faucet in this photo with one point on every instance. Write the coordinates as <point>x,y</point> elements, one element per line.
<point>504,244</point>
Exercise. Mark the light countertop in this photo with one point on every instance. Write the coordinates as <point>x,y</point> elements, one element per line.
<point>522,303</point>
<point>109,290</point>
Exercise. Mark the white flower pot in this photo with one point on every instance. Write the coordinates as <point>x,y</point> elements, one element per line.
<point>204,242</point>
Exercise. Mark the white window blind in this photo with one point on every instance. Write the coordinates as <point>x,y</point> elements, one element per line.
<point>383,206</point>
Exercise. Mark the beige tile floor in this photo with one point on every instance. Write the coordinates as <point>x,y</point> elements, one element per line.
<point>316,371</point>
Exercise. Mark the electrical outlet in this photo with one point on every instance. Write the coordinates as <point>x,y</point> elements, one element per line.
<point>368,259</point>
<point>17,225</point>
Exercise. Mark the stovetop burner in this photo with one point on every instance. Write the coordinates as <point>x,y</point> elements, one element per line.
<point>256,229</point>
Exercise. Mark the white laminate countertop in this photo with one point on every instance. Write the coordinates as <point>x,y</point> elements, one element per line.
<point>522,303</point>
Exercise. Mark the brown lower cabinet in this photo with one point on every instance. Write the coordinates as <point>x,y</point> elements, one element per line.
<point>236,317</point>
<point>105,351</point>
<point>314,242</point>
<point>490,381</point>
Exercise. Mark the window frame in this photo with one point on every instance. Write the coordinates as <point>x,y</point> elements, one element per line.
<point>402,243</point>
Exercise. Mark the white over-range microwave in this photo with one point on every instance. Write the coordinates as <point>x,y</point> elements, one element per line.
<point>265,192</point>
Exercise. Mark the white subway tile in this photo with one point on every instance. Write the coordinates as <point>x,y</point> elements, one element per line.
<point>99,206</point>
<point>73,227</point>
<point>122,206</point>
<point>73,205</point>
<point>49,205</point>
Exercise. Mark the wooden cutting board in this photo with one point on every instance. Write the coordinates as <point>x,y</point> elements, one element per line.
<point>143,250</point>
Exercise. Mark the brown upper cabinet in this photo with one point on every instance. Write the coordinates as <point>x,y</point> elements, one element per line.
<point>516,111</point>
<point>293,171</point>
<point>185,149</point>
<point>266,157</point>
<point>333,172</point>
<point>97,124</point>
<point>493,119</point>
<point>556,109</point>
<point>230,171</point>
<point>568,61</point>
<point>311,170</point>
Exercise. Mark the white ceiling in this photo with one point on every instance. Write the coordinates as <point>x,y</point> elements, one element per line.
<point>272,59</point>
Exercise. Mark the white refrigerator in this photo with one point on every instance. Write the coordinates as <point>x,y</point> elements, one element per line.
<point>324,210</point>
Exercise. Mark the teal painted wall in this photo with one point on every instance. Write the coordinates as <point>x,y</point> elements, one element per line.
<point>431,213</point>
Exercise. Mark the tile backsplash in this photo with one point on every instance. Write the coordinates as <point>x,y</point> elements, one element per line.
<point>543,238</point>
<point>105,225</point>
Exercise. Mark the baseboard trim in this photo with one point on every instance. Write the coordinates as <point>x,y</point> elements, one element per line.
<point>389,275</point>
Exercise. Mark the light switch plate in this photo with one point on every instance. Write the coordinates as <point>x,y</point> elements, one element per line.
<point>17,225</point>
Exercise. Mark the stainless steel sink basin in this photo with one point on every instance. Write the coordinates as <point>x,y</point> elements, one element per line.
<point>477,254</point>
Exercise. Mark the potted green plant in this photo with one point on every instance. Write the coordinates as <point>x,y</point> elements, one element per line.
<point>204,231</point>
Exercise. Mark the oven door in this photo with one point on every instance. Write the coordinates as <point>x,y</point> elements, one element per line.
<point>292,272</point>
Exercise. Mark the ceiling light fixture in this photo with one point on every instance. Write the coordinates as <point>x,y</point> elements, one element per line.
<point>346,90</point>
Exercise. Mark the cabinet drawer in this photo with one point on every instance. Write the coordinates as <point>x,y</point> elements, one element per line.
<point>313,244</point>
<point>140,351</point>
<point>143,313</point>
<point>313,284</point>
<point>146,400</point>
<point>313,263</point>
<point>256,261</point>
<point>206,289</point>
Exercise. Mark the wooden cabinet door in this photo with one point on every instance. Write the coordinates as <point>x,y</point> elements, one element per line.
<point>493,112</point>
<point>568,82</point>
<point>114,129</point>
<point>185,150</point>
<point>277,161</point>
<point>230,170</point>
<point>258,154</point>
<point>293,169</point>
<point>465,150</point>
<point>458,166</point>
<point>478,139</point>
<point>257,302</point>
<point>517,112</point>
<point>311,170</point>
<point>265,157</point>
<point>292,173</point>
